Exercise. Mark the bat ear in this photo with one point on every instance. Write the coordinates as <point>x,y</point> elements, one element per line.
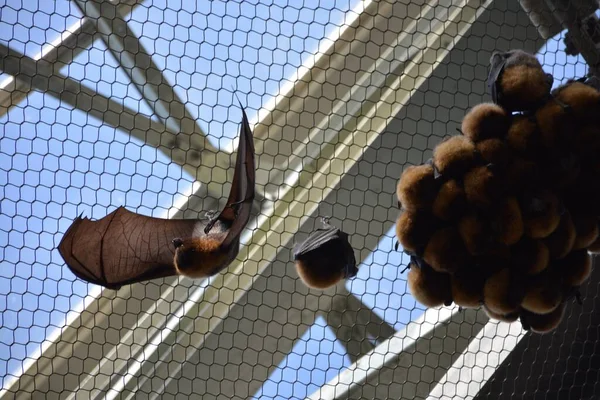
<point>177,242</point>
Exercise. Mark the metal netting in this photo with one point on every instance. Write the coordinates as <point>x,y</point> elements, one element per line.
<point>109,103</point>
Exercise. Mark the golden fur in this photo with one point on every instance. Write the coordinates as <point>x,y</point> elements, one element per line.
<point>445,251</point>
<point>467,287</point>
<point>523,87</point>
<point>430,288</point>
<point>586,228</point>
<point>576,267</point>
<point>454,156</point>
<point>541,223</point>
<point>523,135</point>
<point>319,276</point>
<point>417,188</point>
<point>509,221</point>
<point>200,257</point>
<point>502,293</point>
<point>545,323</point>
<point>561,241</point>
<point>482,186</point>
<point>413,230</point>
<point>512,317</point>
<point>583,99</point>
<point>450,202</point>
<point>494,151</point>
<point>485,121</point>
<point>530,256</point>
<point>543,295</point>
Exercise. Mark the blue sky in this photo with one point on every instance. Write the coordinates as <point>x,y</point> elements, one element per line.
<point>57,162</point>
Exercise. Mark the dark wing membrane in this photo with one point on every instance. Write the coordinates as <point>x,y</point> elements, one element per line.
<point>124,247</point>
<point>239,205</point>
<point>316,239</point>
<point>498,63</point>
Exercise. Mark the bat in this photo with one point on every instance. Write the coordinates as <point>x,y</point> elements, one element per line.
<point>561,241</point>
<point>543,294</point>
<point>575,268</point>
<point>417,187</point>
<point>124,247</point>
<point>541,213</point>
<point>586,228</point>
<point>483,186</point>
<point>512,317</point>
<point>450,202</point>
<point>507,221</point>
<point>543,323</point>
<point>445,251</point>
<point>552,120</point>
<point>476,232</point>
<point>581,99</point>
<point>467,287</point>
<point>521,173</point>
<point>454,156</point>
<point>524,136</point>
<point>413,230</point>
<point>503,292</point>
<point>485,121</point>
<point>494,151</point>
<point>594,248</point>
<point>517,82</point>
<point>428,287</point>
<point>587,142</point>
<point>325,257</point>
<point>530,256</point>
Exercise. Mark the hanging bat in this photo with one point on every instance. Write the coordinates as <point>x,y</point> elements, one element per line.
<point>517,81</point>
<point>124,247</point>
<point>325,257</point>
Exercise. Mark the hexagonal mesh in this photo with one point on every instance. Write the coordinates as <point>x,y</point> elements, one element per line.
<point>109,103</point>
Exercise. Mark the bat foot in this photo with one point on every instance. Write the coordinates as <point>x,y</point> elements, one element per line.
<point>325,220</point>
<point>177,242</point>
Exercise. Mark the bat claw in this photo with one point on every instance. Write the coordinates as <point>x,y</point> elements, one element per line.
<point>406,268</point>
<point>325,220</point>
<point>396,245</point>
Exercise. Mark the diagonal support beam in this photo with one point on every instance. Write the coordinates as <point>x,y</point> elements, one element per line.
<point>142,70</point>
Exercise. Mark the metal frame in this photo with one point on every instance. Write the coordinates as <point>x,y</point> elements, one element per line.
<point>392,70</point>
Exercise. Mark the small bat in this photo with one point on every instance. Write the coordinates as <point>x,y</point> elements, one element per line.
<point>325,257</point>
<point>124,247</point>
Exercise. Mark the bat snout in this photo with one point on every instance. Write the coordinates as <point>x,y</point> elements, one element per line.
<point>177,242</point>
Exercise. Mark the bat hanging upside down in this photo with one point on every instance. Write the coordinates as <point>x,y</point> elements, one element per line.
<point>124,247</point>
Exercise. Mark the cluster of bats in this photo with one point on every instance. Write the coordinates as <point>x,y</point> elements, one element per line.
<point>125,247</point>
<point>506,213</point>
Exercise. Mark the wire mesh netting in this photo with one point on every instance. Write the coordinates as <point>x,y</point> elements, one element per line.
<point>133,103</point>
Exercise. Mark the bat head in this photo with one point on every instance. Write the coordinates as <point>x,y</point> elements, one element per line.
<point>199,257</point>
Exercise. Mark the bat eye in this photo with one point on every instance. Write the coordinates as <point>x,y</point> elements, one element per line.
<point>177,242</point>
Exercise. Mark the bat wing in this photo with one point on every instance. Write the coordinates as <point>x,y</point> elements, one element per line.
<point>317,239</point>
<point>498,62</point>
<point>239,204</point>
<point>124,247</point>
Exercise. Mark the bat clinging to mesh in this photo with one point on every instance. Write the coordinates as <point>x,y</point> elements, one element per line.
<point>124,247</point>
<point>325,257</point>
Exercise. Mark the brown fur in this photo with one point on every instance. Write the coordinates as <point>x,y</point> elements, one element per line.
<point>485,121</point>
<point>587,141</point>
<point>523,135</point>
<point>586,227</point>
<point>530,257</point>
<point>523,87</point>
<point>430,288</point>
<point>521,173</point>
<point>450,202</point>
<point>561,241</point>
<point>552,120</point>
<point>594,248</point>
<point>502,292</point>
<point>543,295</point>
<point>583,99</point>
<point>454,156</point>
<point>482,186</point>
<point>475,232</point>
<point>494,151</point>
<point>509,221</point>
<point>200,253</point>
<point>544,323</point>
<point>512,317</point>
<point>467,287</point>
<point>417,187</point>
<point>413,230</point>
<point>318,276</point>
<point>541,223</point>
<point>576,267</point>
<point>445,251</point>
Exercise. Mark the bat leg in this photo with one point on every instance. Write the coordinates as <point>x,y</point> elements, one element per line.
<point>405,269</point>
<point>396,245</point>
